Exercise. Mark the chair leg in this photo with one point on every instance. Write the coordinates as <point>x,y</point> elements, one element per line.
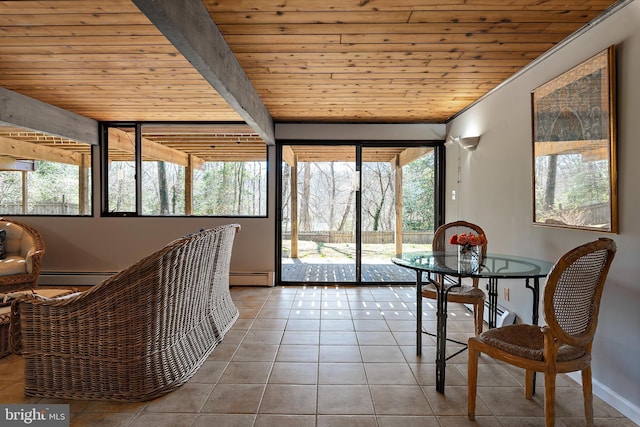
<point>472,381</point>
<point>587,392</point>
<point>479,317</point>
<point>549,398</point>
<point>528,383</point>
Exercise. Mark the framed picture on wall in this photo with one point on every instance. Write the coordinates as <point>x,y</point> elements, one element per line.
<point>574,147</point>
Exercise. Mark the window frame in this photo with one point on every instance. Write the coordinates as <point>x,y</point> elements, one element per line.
<point>104,168</point>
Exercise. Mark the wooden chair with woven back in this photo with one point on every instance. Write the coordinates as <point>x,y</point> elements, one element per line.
<point>571,302</point>
<point>465,294</point>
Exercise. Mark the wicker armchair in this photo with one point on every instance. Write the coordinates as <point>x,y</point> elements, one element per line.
<point>464,294</point>
<point>571,303</point>
<point>137,335</point>
<point>23,249</point>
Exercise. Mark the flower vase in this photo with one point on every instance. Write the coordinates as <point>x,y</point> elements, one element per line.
<point>468,258</point>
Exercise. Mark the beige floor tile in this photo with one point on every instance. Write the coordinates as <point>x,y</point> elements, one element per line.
<point>303,324</point>
<point>246,373</point>
<point>389,373</point>
<point>161,420</point>
<point>254,336</point>
<point>234,399</point>
<point>339,325</point>
<point>338,338</point>
<point>187,398</point>
<point>342,373</point>
<point>289,399</point>
<point>359,310</point>
<point>209,372</point>
<point>374,325</point>
<point>509,402</point>
<point>340,353</point>
<point>530,422</point>
<point>294,373</point>
<point>277,313</point>
<point>425,374</point>
<point>347,421</point>
<point>263,325</point>
<point>301,338</point>
<point>405,338</point>
<point>406,421</point>
<point>375,338</point>
<point>456,421</point>
<point>268,420</point>
<point>101,405</point>
<point>223,352</point>
<point>278,305</point>
<point>224,420</point>
<point>399,400</point>
<point>453,401</point>
<point>255,353</point>
<point>298,353</point>
<point>234,336</point>
<point>382,353</point>
<point>402,326</point>
<point>99,419</point>
<point>341,314</point>
<point>301,314</point>
<point>338,304</point>
<point>344,399</point>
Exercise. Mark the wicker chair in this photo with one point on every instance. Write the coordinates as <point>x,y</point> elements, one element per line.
<point>137,335</point>
<point>464,294</point>
<point>23,250</point>
<point>571,302</point>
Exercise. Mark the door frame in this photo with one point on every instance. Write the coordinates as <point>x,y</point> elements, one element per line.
<point>439,199</point>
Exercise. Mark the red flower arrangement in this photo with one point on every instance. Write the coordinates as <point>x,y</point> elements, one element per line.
<point>468,240</point>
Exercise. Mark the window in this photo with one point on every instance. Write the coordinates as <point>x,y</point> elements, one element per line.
<point>185,169</point>
<point>42,174</point>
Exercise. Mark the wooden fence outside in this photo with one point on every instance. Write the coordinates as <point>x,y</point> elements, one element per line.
<point>368,237</point>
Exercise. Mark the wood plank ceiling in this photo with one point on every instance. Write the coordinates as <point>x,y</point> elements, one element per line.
<point>356,61</point>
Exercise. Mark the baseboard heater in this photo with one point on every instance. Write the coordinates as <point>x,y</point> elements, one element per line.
<point>505,317</point>
<point>251,278</point>
<point>90,278</point>
<point>73,278</point>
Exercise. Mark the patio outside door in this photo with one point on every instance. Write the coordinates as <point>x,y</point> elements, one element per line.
<point>347,209</point>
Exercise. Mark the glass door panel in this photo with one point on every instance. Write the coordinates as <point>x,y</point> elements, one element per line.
<point>398,208</point>
<point>318,202</point>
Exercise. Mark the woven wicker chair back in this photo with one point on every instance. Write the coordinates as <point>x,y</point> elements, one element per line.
<point>137,335</point>
<point>574,289</point>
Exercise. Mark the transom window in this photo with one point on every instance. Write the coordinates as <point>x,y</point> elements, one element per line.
<point>184,170</point>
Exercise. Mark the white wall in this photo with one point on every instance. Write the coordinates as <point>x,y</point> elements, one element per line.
<point>494,187</point>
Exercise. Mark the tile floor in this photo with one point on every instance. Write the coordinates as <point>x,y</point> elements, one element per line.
<point>331,356</point>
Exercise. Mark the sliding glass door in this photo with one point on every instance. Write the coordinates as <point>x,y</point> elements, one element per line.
<point>346,209</point>
<point>318,220</point>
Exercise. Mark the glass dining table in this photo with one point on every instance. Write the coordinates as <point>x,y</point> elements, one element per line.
<point>429,264</point>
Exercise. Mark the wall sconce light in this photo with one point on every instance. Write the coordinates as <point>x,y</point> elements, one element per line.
<point>469,143</point>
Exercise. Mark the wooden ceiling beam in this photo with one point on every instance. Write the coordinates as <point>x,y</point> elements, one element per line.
<point>21,150</point>
<point>189,27</point>
<point>25,112</point>
<point>412,154</point>
<point>125,141</point>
